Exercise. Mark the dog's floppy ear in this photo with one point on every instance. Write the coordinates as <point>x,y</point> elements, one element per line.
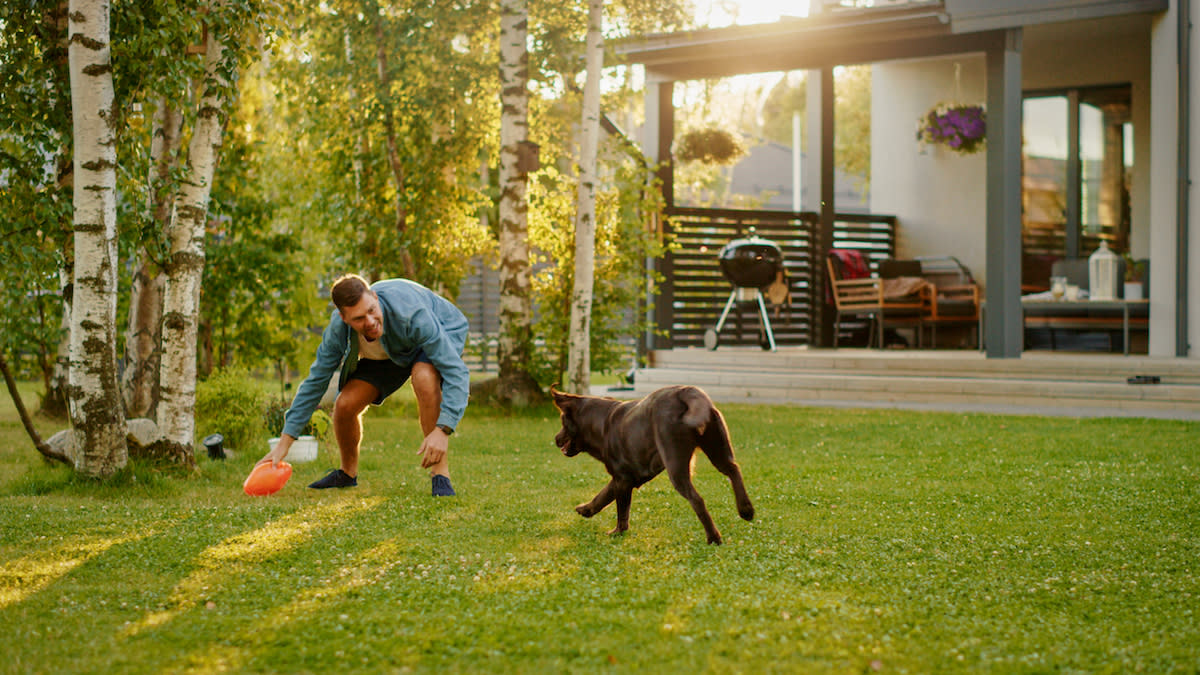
<point>563,401</point>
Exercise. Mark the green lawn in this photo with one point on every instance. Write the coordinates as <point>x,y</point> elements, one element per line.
<point>885,541</point>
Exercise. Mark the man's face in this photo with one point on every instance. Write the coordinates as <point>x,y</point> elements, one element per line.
<point>365,317</point>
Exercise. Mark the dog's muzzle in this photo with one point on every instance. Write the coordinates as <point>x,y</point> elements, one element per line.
<point>566,444</point>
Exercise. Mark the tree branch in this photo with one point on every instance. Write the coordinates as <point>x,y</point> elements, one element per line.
<point>42,446</point>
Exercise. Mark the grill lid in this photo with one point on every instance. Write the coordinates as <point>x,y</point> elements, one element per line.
<point>752,262</point>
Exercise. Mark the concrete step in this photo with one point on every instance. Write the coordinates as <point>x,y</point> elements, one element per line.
<point>962,364</point>
<point>1078,385</point>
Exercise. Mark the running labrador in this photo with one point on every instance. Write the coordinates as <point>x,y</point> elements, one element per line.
<point>636,440</point>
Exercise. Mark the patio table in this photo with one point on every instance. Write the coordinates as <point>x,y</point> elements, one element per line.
<point>1026,303</point>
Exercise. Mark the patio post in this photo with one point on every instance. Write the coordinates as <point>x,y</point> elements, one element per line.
<point>659,135</point>
<point>1005,331</point>
<point>823,317</point>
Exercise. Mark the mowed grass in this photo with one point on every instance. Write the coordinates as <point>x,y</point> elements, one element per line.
<point>885,541</point>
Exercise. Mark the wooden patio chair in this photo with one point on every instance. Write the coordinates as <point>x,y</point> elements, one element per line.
<point>866,297</point>
<point>953,298</point>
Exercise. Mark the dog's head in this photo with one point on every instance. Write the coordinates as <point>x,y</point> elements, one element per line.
<point>568,438</point>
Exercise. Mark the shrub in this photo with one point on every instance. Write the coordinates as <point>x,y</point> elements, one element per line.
<point>230,402</point>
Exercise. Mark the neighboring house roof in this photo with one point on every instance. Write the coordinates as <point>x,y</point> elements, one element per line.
<point>767,167</point>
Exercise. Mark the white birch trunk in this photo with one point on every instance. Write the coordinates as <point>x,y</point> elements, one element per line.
<point>145,306</point>
<point>185,264</point>
<point>580,335</point>
<point>515,304</point>
<point>93,392</point>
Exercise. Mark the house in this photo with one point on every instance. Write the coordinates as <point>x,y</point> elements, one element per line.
<point>1089,135</point>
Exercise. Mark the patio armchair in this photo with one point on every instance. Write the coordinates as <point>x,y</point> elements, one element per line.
<point>874,298</point>
<point>952,296</point>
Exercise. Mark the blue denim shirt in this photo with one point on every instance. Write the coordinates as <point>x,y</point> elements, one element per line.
<point>414,319</point>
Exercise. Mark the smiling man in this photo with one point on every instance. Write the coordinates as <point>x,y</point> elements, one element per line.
<point>382,336</point>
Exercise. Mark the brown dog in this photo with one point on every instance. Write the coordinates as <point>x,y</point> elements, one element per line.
<point>636,440</point>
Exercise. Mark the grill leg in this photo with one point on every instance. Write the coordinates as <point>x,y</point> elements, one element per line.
<point>725,313</point>
<point>762,309</point>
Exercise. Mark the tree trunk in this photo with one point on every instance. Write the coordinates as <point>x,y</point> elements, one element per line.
<point>393,155</point>
<point>139,382</point>
<point>516,385</point>
<point>93,390</point>
<point>54,403</point>
<point>579,344</point>
<point>185,264</point>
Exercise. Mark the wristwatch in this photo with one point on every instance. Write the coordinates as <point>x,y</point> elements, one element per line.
<point>446,429</point>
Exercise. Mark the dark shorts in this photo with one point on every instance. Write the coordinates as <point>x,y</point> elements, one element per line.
<point>387,376</point>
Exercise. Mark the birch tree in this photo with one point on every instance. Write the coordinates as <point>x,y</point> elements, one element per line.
<point>579,340</point>
<point>515,386</point>
<point>141,375</point>
<point>93,390</point>
<point>185,262</point>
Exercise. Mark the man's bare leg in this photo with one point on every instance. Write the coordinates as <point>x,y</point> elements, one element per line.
<point>353,400</point>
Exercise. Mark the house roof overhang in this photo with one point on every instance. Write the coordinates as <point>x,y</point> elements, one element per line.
<point>854,36</point>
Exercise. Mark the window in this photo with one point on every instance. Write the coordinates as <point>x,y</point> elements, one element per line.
<point>1077,157</point>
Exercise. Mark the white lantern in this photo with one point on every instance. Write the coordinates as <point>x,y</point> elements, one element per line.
<point>1104,268</point>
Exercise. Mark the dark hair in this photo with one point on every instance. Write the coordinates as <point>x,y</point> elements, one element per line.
<point>347,290</point>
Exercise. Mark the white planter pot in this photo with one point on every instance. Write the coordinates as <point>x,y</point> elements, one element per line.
<point>1133,290</point>
<point>304,449</point>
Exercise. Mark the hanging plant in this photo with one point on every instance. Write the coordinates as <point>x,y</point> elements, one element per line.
<point>710,146</point>
<point>962,128</point>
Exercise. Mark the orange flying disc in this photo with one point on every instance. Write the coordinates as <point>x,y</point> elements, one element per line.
<point>266,479</point>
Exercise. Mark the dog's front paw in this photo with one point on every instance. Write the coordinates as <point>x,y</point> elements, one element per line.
<point>585,510</point>
<point>714,537</point>
<point>618,530</point>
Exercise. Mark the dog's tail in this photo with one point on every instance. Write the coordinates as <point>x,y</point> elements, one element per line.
<point>699,408</point>
<point>704,417</point>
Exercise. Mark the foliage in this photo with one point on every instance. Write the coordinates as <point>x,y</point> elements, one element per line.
<point>232,404</point>
<point>275,412</point>
<point>885,542</point>
<point>852,117</point>
<point>625,202</point>
<point>962,128</point>
<point>439,107</point>
<point>1135,270</point>
<point>35,190</point>
<point>708,146</point>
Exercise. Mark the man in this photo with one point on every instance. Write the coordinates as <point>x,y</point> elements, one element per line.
<point>382,336</point>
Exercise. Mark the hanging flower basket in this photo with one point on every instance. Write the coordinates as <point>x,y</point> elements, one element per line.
<point>961,128</point>
<point>710,146</point>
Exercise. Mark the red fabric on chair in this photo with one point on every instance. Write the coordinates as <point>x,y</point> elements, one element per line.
<point>853,264</point>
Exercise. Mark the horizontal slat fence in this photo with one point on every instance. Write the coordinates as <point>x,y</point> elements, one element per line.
<point>701,291</point>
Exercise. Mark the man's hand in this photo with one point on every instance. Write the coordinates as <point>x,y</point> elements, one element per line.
<point>281,450</point>
<point>433,448</point>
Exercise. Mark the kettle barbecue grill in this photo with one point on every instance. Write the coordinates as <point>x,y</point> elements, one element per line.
<point>750,264</point>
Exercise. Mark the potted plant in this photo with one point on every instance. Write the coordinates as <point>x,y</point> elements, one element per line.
<point>960,127</point>
<point>306,445</point>
<point>709,146</point>
<point>1135,278</point>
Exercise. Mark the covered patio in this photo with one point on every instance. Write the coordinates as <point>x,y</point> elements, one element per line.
<point>992,33</point>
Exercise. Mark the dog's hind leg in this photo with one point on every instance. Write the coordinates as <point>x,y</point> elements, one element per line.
<point>714,442</point>
<point>601,500</point>
<point>676,450</point>
<point>681,478</point>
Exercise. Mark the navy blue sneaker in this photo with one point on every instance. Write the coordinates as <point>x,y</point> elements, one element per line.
<point>336,478</point>
<point>441,486</point>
